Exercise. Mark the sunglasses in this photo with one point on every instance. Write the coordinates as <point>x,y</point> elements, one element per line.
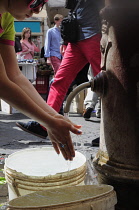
<point>34,4</point>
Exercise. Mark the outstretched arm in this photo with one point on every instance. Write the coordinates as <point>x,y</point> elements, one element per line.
<point>16,90</point>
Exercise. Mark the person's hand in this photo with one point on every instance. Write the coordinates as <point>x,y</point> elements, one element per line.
<point>38,40</point>
<point>60,136</point>
<point>21,54</point>
<point>48,61</point>
<point>63,49</point>
<point>30,50</point>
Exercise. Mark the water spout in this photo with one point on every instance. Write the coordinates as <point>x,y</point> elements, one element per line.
<point>99,85</point>
<point>74,93</point>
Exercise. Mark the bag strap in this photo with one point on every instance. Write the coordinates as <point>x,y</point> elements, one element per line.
<point>25,45</point>
<point>76,6</point>
<point>28,48</point>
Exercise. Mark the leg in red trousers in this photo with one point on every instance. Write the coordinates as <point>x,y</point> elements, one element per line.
<point>75,58</point>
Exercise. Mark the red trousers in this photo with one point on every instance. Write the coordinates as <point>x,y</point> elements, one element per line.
<point>76,56</point>
<point>55,62</point>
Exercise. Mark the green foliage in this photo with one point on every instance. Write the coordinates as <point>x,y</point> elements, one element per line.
<point>2,180</point>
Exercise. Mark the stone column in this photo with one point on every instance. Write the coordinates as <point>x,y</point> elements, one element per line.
<point>117,160</point>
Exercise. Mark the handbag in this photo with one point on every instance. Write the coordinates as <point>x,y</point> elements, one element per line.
<point>69,27</point>
<point>17,46</point>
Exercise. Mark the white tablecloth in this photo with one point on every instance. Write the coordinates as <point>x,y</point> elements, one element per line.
<point>29,70</point>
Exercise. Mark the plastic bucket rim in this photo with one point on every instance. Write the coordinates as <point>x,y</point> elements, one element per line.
<point>20,175</point>
<point>42,148</point>
<point>72,202</point>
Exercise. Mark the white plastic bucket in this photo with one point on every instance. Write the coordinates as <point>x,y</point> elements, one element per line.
<point>39,169</point>
<point>87,197</point>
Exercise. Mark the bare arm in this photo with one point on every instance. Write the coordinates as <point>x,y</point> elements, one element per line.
<point>15,75</point>
<point>37,48</point>
<point>19,92</point>
<point>48,61</point>
<point>14,94</point>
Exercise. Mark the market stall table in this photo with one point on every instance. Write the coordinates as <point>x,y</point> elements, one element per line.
<point>28,70</point>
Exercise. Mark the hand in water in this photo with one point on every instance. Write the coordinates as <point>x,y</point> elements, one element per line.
<point>61,138</point>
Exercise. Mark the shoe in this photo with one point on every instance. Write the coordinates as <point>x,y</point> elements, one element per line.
<point>95,142</point>
<point>98,113</point>
<point>87,113</point>
<point>33,128</point>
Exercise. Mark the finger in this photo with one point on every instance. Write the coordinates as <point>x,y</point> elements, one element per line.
<point>66,151</point>
<point>63,151</point>
<point>56,147</point>
<point>75,125</point>
<point>71,150</point>
<point>70,153</point>
<point>68,147</point>
<point>74,130</point>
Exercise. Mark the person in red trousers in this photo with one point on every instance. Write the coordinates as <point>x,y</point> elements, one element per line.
<point>76,56</point>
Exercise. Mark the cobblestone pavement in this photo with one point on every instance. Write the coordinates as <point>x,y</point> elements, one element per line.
<point>13,139</point>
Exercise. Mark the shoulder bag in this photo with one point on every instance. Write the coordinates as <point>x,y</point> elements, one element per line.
<point>69,27</point>
<point>17,46</point>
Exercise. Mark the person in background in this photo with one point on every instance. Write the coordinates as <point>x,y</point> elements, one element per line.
<point>52,44</point>
<point>91,100</point>
<point>76,56</point>
<point>28,47</point>
<point>15,88</point>
<point>42,53</point>
<point>90,103</point>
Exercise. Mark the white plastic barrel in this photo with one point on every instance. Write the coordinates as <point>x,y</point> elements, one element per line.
<point>87,197</point>
<point>37,169</point>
